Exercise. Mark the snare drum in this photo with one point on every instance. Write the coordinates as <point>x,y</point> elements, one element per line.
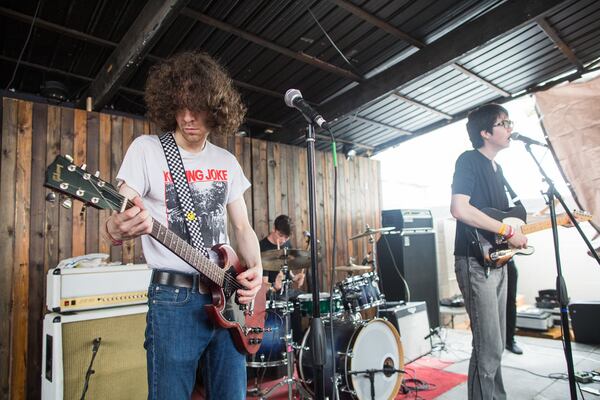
<point>361,292</point>
<point>305,304</point>
<point>359,346</point>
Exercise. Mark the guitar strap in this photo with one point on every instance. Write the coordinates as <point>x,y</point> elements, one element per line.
<point>513,196</point>
<point>182,190</point>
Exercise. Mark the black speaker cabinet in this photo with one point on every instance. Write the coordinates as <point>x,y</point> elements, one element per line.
<point>120,362</point>
<point>411,254</point>
<point>584,318</point>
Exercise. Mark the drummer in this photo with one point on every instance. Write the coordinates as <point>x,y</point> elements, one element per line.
<point>279,238</point>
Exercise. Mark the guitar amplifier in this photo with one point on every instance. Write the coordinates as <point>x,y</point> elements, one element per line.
<point>109,342</point>
<point>76,289</point>
<point>407,220</point>
<point>411,321</point>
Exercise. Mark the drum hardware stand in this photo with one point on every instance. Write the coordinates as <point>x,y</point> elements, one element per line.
<point>289,380</point>
<point>370,373</point>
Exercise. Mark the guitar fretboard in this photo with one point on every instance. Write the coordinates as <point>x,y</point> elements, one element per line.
<point>562,219</point>
<point>188,253</point>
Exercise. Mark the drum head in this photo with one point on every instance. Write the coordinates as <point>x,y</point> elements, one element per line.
<point>376,345</point>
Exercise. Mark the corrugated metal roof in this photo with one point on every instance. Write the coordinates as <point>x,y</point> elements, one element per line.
<point>72,39</point>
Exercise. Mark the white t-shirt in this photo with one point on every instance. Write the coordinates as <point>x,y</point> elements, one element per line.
<point>216,179</point>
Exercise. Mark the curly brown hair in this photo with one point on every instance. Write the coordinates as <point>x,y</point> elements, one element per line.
<point>194,81</point>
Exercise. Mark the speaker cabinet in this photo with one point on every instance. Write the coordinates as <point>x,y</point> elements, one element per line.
<point>411,321</point>
<point>120,362</point>
<point>584,317</point>
<point>411,254</point>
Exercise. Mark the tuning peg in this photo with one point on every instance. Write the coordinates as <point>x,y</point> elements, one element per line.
<point>83,166</point>
<point>67,203</point>
<point>51,197</point>
<point>97,174</point>
<point>68,157</point>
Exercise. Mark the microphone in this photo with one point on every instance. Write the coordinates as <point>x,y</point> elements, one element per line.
<point>526,140</point>
<point>293,98</point>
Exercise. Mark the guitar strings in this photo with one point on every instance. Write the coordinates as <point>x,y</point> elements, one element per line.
<point>230,279</point>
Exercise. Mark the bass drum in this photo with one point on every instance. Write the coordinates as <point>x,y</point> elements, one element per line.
<point>359,346</point>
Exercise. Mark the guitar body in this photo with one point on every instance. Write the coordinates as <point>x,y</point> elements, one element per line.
<point>491,245</point>
<point>223,312</point>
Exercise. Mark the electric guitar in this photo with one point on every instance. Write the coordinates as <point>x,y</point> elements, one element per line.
<point>245,323</point>
<point>494,251</point>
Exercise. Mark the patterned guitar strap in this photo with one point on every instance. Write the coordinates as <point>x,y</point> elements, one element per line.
<point>182,189</point>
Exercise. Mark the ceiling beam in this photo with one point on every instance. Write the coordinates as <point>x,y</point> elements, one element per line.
<point>499,100</point>
<point>297,55</point>
<point>561,44</point>
<point>479,79</point>
<point>387,27</point>
<point>378,22</point>
<point>40,23</point>
<point>106,43</point>
<point>154,19</point>
<point>421,105</point>
<point>465,39</point>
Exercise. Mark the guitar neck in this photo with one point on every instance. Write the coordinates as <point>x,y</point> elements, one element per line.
<point>188,253</point>
<point>561,219</point>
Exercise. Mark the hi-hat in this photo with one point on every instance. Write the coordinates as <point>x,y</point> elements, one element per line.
<point>370,231</point>
<point>273,260</point>
<point>353,268</point>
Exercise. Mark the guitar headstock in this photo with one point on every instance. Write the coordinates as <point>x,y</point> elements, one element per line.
<point>582,216</point>
<point>73,181</point>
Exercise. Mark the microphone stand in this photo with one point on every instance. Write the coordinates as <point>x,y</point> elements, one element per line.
<point>316,324</point>
<point>561,287</point>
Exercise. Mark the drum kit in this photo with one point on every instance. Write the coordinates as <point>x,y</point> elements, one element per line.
<point>367,353</point>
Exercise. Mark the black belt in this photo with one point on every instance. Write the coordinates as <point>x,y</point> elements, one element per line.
<point>170,278</point>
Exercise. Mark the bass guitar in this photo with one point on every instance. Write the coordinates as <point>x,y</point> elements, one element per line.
<point>494,251</point>
<point>245,322</point>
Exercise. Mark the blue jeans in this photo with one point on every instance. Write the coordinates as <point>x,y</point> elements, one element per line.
<point>179,336</point>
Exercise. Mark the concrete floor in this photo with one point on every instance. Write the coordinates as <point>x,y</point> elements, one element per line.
<point>525,376</point>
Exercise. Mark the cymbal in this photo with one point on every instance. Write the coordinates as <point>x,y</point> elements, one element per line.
<point>370,231</point>
<point>272,260</point>
<point>353,268</point>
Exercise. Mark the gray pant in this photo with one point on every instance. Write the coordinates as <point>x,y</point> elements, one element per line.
<point>485,301</point>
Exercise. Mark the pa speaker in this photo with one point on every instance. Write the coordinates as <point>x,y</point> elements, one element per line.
<point>584,317</point>
<point>109,342</point>
<point>412,255</point>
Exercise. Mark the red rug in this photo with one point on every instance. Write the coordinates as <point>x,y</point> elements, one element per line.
<point>431,372</point>
<point>427,370</point>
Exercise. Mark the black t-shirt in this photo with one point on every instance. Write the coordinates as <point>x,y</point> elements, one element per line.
<point>265,245</point>
<point>474,176</point>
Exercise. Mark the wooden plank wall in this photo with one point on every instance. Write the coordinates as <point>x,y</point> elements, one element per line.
<point>35,235</point>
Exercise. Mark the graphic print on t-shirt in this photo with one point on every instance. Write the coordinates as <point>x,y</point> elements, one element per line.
<point>208,189</point>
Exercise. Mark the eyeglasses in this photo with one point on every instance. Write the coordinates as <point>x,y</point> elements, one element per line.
<point>506,123</point>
